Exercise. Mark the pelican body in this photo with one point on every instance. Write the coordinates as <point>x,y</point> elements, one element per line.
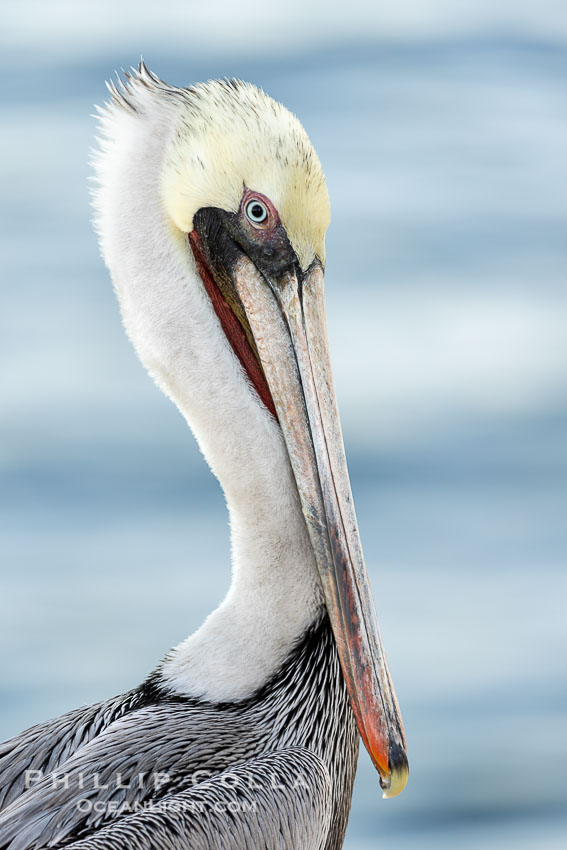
<point>211,210</point>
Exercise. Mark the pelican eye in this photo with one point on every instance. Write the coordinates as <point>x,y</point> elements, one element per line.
<point>256,212</point>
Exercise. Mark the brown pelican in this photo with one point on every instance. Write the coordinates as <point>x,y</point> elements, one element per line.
<point>211,211</point>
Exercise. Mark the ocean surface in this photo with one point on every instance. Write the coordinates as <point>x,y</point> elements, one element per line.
<point>447,301</point>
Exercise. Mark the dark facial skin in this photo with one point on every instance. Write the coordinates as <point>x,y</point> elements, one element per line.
<point>225,234</point>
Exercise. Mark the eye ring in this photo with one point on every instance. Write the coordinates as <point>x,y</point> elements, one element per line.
<point>256,212</point>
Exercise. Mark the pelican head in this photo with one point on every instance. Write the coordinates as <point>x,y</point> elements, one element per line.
<point>241,194</point>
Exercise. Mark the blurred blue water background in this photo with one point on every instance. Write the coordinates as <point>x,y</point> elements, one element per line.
<point>447,264</point>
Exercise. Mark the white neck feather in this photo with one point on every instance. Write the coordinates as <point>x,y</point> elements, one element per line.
<point>275,592</point>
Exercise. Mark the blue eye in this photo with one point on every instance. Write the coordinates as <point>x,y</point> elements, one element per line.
<point>256,212</point>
